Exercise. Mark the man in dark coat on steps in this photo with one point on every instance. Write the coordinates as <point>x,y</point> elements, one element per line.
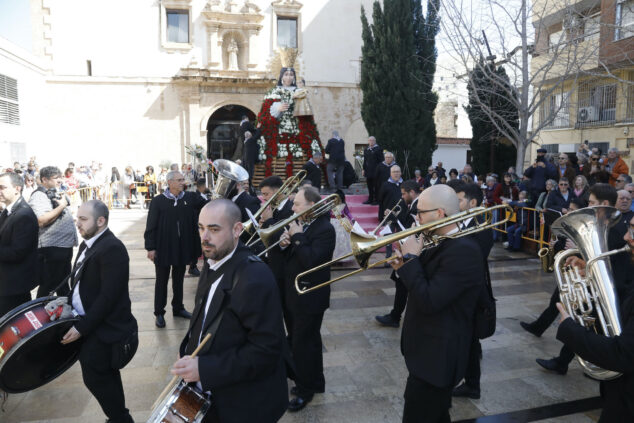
<point>372,157</point>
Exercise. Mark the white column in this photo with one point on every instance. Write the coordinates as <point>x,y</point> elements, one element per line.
<point>253,49</point>
<point>214,60</point>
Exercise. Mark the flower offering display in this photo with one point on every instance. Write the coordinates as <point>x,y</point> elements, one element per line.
<point>285,136</point>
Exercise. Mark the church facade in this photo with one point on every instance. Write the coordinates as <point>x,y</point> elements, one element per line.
<point>136,83</point>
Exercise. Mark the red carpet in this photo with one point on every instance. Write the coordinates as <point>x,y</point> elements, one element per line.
<point>366,215</point>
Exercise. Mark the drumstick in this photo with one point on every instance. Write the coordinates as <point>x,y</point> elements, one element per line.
<point>175,378</point>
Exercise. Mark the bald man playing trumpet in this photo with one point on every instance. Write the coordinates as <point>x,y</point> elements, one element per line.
<point>442,295</point>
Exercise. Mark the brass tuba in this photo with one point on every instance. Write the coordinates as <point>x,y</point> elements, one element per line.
<point>228,175</point>
<point>547,257</point>
<point>591,300</point>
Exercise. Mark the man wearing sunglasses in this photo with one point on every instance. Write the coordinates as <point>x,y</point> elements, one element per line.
<point>442,295</point>
<point>594,170</point>
<point>615,165</point>
<point>559,199</point>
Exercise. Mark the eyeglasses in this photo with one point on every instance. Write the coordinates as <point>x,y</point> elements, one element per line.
<point>563,158</point>
<point>563,185</point>
<point>620,180</point>
<point>419,212</point>
<point>595,159</point>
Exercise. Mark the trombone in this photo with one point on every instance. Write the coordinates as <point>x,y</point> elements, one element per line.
<point>396,210</point>
<point>276,199</point>
<point>363,245</point>
<point>318,209</point>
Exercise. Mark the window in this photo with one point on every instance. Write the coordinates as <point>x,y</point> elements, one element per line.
<point>557,110</point>
<point>597,103</point>
<point>592,27</point>
<point>624,19</point>
<point>554,39</point>
<point>287,32</point>
<point>9,109</point>
<point>177,26</point>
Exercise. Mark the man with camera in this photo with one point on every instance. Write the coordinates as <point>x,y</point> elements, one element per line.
<point>57,234</point>
<point>539,173</point>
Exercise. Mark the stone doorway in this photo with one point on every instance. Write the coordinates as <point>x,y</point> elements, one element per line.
<point>223,132</point>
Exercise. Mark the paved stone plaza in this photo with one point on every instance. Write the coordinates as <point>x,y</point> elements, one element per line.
<point>365,372</point>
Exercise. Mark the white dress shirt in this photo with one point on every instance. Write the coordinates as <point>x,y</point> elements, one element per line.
<point>77,304</point>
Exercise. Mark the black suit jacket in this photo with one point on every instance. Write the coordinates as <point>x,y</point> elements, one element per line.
<point>275,256</point>
<point>389,195</point>
<point>371,159</point>
<point>408,214</point>
<point>307,250</point>
<point>616,353</point>
<point>337,150</point>
<point>382,173</point>
<point>103,289</point>
<point>438,324</point>
<point>313,173</point>
<point>244,363</point>
<point>18,250</point>
<point>247,201</point>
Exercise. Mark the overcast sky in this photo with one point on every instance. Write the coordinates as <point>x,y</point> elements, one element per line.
<point>15,22</point>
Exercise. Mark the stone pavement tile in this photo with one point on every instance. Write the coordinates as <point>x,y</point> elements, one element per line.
<point>362,301</point>
<point>347,341</point>
<point>367,377</point>
<point>350,411</point>
<point>588,417</point>
<point>44,404</point>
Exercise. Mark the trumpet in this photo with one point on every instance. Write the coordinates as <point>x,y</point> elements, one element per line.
<point>363,246</point>
<point>318,209</point>
<point>284,192</point>
<point>396,210</point>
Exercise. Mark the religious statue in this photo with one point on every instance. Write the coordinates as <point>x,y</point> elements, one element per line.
<point>288,128</point>
<point>232,50</point>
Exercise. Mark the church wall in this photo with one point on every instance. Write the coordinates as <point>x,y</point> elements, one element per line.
<point>19,142</point>
<point>136,123</point>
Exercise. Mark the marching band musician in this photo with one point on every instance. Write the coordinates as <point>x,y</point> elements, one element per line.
<point>101,297</point>
<point>470,196</point>
<point>305,248</point>
<point>442,296</point>
<point>244,200</point>
<point>409,194</point>
<point>611,353</point>
<point>275,257</point>
<point>243,365</point>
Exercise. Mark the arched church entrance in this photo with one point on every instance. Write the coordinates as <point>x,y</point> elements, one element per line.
<point>223,132</point>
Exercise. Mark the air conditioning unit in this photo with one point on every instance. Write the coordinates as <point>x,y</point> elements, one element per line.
<point>588,114</point>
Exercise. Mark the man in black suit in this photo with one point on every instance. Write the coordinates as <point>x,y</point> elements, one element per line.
<point>409,194</point>
<point>442,295</point>
<point>101,298</point>
<point>336,151</point>
<point>251,149</point>
<point>18,245</point>
<point>313,169</point>
<point>306,247</point>
<point>275,257</point>
<point>243,364</point>
<point>615,353</point>
<point>244,200</point>
<point>470,196</point>
<point>372,156</point>
<point>382,172</point>
<point>171,240</point>
<point>389,196</point>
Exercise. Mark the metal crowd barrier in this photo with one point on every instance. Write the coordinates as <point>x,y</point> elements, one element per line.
<point>535,228</point>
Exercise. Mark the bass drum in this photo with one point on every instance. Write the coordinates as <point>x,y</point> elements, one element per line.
<point>31,354</point>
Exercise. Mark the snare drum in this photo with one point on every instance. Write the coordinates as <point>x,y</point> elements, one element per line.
<point>30,350</point>
<point>183,404</point>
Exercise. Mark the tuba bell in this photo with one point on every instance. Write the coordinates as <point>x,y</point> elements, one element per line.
<point>228,175</point>
<point>591,300</point>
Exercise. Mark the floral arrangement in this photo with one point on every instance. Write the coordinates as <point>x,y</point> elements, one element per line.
<point>289,138</point>
<point>197,151</point>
